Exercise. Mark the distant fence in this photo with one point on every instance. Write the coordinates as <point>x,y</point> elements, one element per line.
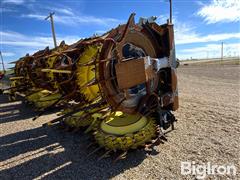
<point>211,59</point>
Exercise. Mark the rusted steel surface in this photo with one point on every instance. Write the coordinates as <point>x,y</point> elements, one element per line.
<point>130,69</point>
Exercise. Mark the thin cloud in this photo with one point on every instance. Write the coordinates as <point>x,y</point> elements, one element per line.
<point>17,2</point>
<point>212,47</point>
<point>210,51</point>
<point>8,54</point>
<point>182,38</point>
<point>220,11</point>
<point>10,38</point>
<point>75,20</point>
<point>101,31</point>
<point>7,10</point>
<point>34,16</point>
<point>66,11</point>
<point>20,44</point>
<point>186,34</point>
<point>162,19</point>
<point>200,3</point>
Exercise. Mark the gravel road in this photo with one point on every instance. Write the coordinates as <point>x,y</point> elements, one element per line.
<point>208,130</point>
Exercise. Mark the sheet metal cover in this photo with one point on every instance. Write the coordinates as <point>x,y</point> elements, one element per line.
<point>133,72</point>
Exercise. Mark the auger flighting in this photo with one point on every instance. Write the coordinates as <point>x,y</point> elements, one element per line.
<point>121,86</point>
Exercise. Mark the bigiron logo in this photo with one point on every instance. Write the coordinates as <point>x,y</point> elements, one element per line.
<point>207,169</point>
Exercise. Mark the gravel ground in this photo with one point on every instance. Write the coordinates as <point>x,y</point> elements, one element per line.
<point>207,130</point>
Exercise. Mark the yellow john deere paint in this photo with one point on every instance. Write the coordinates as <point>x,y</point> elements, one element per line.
<point>121,131</point>
<point>121,86</point>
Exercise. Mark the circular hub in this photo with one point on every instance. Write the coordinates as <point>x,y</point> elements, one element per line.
<point>121,131</point>
<point>119,123</point>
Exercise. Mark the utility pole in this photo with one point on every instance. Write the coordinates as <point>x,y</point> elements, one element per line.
<point>2,62</point>
<point>170,1</point>
<point>52,26</point>
<point>222,51</point>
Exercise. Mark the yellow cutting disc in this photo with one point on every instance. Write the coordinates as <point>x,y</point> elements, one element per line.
<point>86,74</point>
<point>50,75</point>
<point>121,131</point>
<point>76,120</point>
<point>48,100</point>
<point>82,118</point>
<point>119,123</point>
<point>34,97</point>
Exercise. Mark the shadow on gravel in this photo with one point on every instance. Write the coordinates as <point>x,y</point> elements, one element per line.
<point>53,154</point>
<point>11,111</point>
<point>50,153</point>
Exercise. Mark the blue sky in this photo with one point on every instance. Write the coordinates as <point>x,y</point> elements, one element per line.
<point>200,26</point>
